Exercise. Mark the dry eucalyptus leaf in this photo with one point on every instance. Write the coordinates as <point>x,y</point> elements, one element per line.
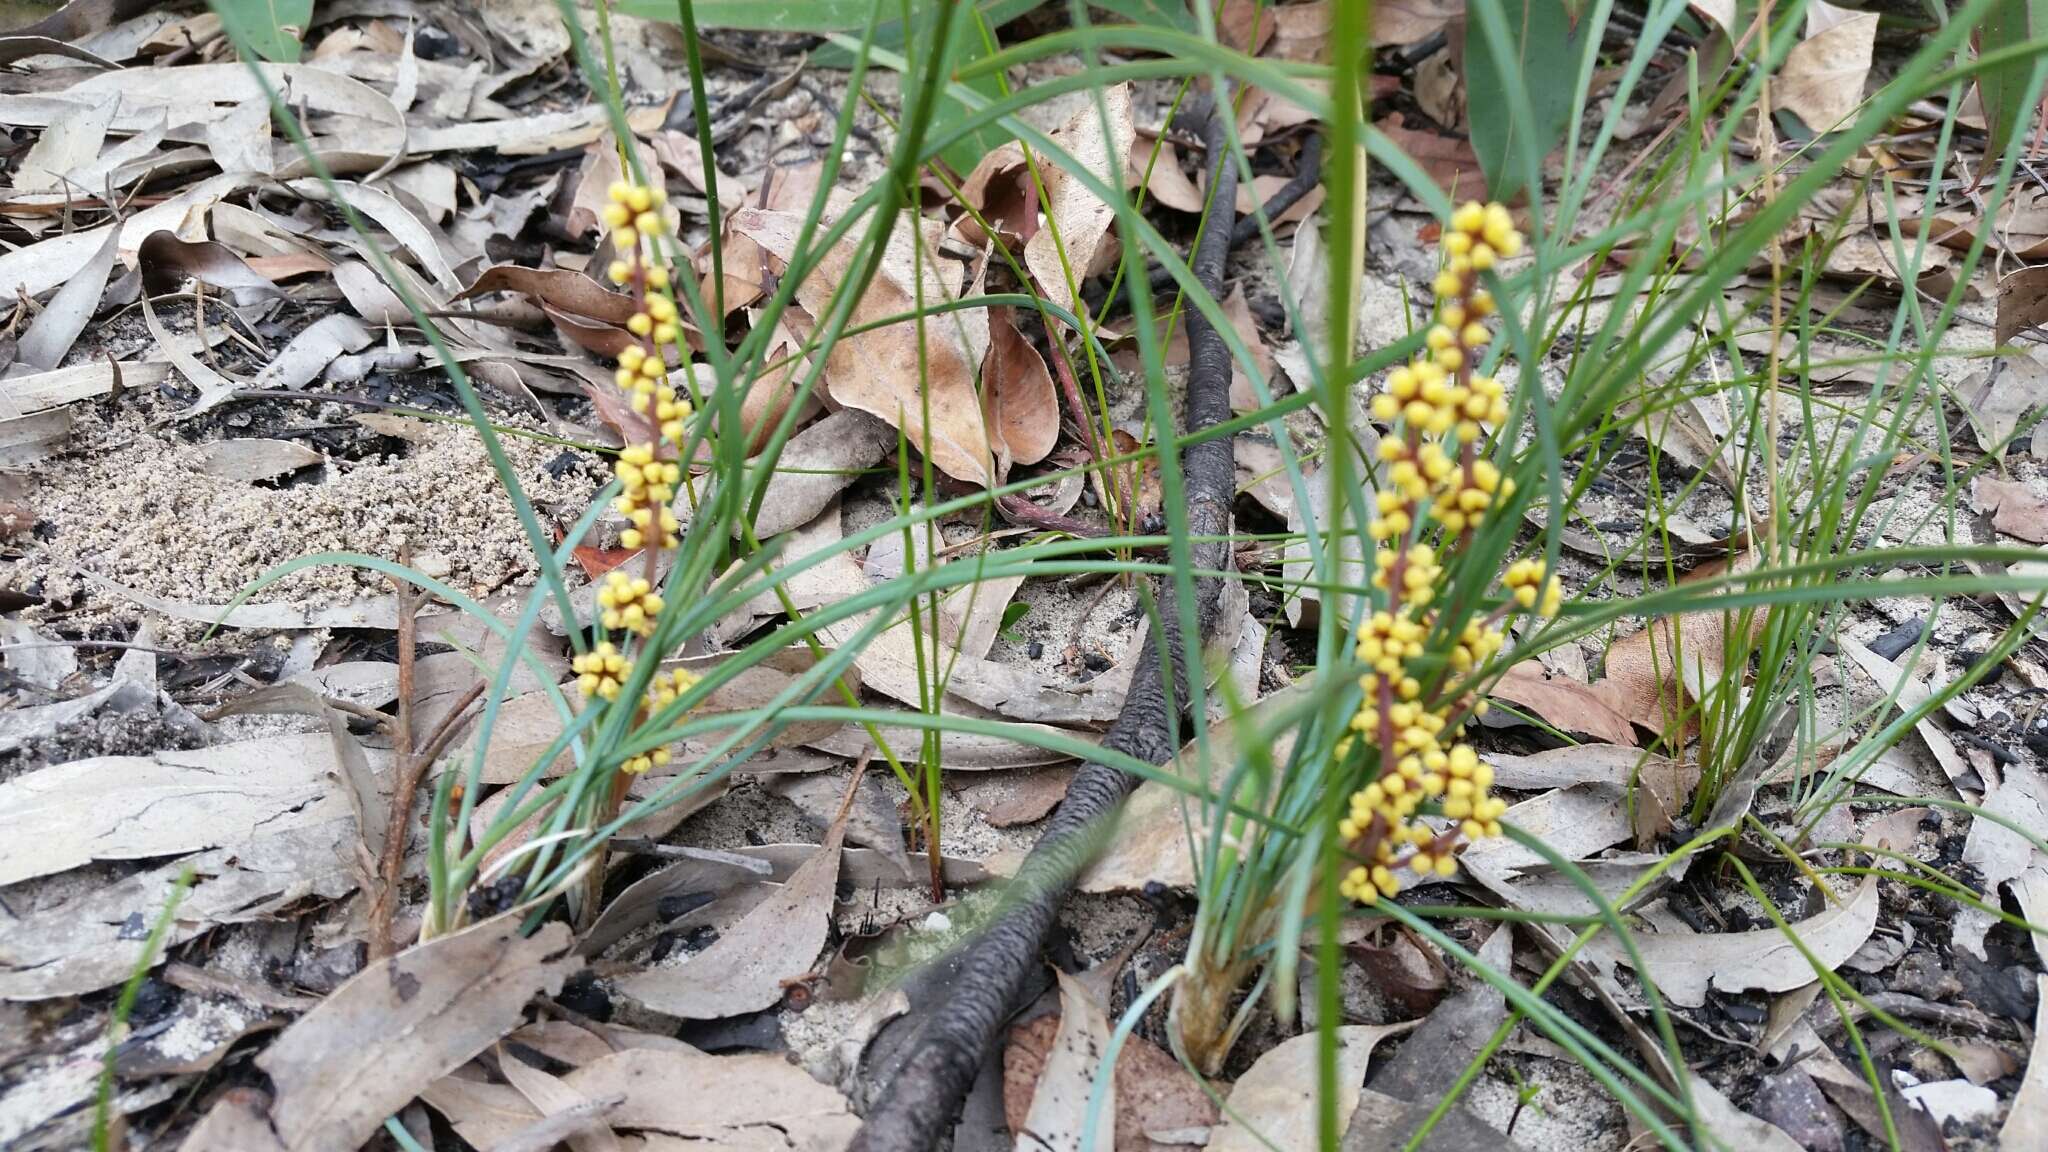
<point>73,140</point>
<point>745,969</point>
<point>878,371</point>
<point>96,939</point>
<point>1157,164</point>
<point>134,807</point>
<point>1081,219</point>
<point>1911,694</point>
<point>567,290</point>
<point>2026,1123</point>
<point>1651,674</point>
<point>1023,409</point>
<point>2022,303</point>
<point>166,262</point>
<point>746,1102</point>
<point>1822,79</point>
<point>395,1027</point>
<point>41,391</point>
<point>1273,1105</point>
<point>2015,508</point>
<point>1057,1118</point>
<point>1566,704</point>
<point>57,328</point>
<point>1684,964</point>
<point>255,459</point>
<point>312,350</point>
<point>814,467</point>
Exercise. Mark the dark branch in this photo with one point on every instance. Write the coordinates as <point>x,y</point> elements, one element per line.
<point>919,1104</point>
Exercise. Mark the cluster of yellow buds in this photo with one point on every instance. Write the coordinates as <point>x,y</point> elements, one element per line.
<point>649,484</point>
<point>1432,791</point>
<point>601,672</point>
<point>666,688</point>
<point>629,602</point>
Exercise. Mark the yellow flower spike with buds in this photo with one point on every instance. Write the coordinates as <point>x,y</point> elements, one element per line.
<point>601,672</point>
<point>1432,793</point>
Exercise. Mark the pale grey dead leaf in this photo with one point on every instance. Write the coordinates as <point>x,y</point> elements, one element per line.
<point>1304,608</point>
<point>368,295</point>
<point>1996,399</point>
<point>2001,855</point>
<point>384,209</point>
<point>57,328</point>
<point>1058,1117</point>
<point>744,1102</point>
<point>35,658</point>
<point>570,1116</point>
<point>1273,1105</point>
<point>872,822</point>
<point>395,1027</point>
<point>1822,78</point>
<point>1080,219</point>
<point>1685,964</point>
<point>96,939</point>
<point>204,93</point>
<point>240,140</point>
<point>431,187</point>
<point>744,969</point>
<point>37,268</point>
<point>27,439</point>
<point>41,391</point>
<point>214,388</point>
<point>255,458</point>
<point>1910,695</point>
<point>2026,1123</point>
<point>134,807</point>
<point>65,145</point>
<point>312,350</point>
<point>1732,1126</point>
<point>703,872</point>
<point>814,467</point>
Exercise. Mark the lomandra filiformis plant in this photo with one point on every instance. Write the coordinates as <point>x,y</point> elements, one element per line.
<point>1439,489</point>
<point>1417,793</point>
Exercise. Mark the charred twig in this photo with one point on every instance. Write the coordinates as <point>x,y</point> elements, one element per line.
<point>954,1034</point>
<point>1308,172</point>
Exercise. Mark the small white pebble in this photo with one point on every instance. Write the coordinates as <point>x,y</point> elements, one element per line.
<point>938,922</point>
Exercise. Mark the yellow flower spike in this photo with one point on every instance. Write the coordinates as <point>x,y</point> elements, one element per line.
<point>640,324</point>
<point>1448,285</point>
<point>616,216</point>
<point>665,333</point>
<point>648,223</point>
<point>661,307</point>
<point>1385,408</point>
<point>1450,358</point>
<point>1440,337</point>
<point>624,239</point>
<point>618,272</point>
<point>652,367</point>
<point>619,191</point>
<point>1470,217</point>
<point>639,198</point>
<point>1475,335</point>
<point>631,539</point>
<point>1481,258</point>
<point>624,377</point>
<point>657,278</point>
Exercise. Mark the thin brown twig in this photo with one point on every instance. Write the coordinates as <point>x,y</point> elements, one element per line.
<point>384,904</point>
